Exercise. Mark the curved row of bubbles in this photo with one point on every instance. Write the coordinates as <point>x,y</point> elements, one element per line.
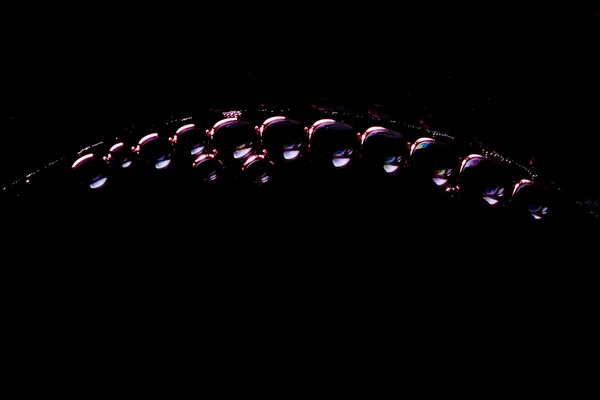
<point>235,154</point>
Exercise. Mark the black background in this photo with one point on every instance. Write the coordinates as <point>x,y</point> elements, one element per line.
<point>524,79</point>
